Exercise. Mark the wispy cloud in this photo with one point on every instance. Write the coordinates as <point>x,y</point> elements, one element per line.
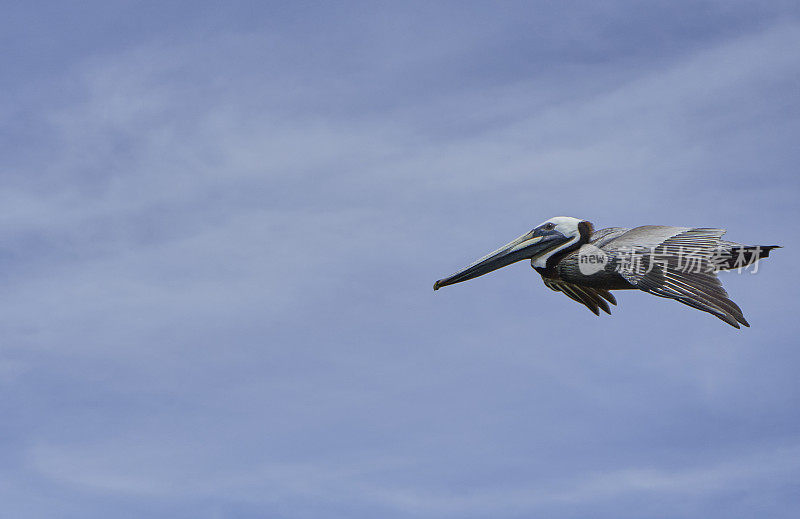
<point>183,470</point>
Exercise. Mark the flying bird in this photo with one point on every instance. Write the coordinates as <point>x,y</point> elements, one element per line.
<point>674,262</point>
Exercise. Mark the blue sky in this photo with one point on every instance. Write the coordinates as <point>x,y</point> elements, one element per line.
<point>221,225</point>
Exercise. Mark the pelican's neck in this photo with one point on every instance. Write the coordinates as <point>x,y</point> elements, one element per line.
<point>551,257</point>
<point>543,261</point>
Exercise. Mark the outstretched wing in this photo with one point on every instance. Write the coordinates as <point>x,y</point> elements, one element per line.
<point>594,298</point>
<point>676,264</point>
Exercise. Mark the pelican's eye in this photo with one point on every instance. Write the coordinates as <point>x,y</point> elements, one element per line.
<point>549,226</point>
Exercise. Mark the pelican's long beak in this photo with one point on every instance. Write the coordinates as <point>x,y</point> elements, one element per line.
<point>525,247</point>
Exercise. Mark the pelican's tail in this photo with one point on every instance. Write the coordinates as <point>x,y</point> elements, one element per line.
<point>735,255</point>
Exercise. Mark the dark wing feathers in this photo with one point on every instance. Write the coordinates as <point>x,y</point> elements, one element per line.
<point>593,298</point>
<point>695,290</point>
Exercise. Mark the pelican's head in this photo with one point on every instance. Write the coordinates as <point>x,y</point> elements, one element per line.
<point>544,240</point>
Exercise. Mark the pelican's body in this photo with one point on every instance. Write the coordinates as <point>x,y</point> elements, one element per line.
<point>674,262</point>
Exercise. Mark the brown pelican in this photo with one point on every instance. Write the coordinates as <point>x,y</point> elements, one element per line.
<point>675,262</point>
